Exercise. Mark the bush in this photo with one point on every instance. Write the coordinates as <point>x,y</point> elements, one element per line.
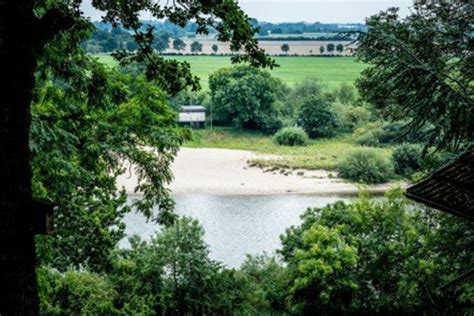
<point>369,134</point>
<point>407,159</point>
<point>317,118</point>
<point>397,133</point>
<point>291,136</point>
<point>355,116</point>
<point>365,165</point>
<point>346,93</point>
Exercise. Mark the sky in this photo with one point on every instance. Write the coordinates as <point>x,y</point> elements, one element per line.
<point>326,11</point>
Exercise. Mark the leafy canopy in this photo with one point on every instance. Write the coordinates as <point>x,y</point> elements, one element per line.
<point>422,69</point>
<point>248,97</point>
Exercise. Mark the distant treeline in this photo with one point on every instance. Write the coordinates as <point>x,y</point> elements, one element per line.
<point>306,38</point>
<point>265,27</point>
<point>106,39</point>
<point>303,27</point>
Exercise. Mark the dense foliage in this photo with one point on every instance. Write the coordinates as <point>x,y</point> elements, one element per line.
<point>422,68</point>
<point>366,166</point>
<point>170,275</point>
<point>378,256</point>
<point>369,256</point>
<point>407,159</point>
<point>89,125</point>
<point>247,97</point>
<point>369,134</point>
<point>317,118</point>
<point>291,136</point>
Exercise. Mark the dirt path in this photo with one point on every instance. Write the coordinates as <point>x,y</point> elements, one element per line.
<point>225,172</point>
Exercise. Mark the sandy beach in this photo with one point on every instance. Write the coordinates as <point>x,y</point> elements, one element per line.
<point>226,172</point>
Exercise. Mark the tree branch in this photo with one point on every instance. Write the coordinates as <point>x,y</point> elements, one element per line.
<point>51,24</point>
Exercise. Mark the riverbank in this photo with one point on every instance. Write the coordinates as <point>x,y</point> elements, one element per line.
<point>227,172</point>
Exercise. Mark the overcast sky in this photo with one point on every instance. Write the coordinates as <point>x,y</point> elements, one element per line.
<point>343,11</point>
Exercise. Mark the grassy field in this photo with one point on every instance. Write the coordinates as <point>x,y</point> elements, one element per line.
<point>331,70</point>
<point>319,154</point>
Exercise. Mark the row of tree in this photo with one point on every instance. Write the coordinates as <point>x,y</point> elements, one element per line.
<point>104,41</point>
<point>107,41</point>
<point>341,31</point>
<point>330,48</point>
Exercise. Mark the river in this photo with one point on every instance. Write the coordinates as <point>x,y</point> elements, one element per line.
<point>237,225</point>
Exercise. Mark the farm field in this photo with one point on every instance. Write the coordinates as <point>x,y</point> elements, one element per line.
<point>331,70</point>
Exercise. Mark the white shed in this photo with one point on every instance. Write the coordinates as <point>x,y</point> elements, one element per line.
<point>194,115</point>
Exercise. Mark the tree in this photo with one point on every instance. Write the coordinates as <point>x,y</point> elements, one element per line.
<point>110,44</point>
<point>161,41</point>
<point>339,48</point>
<point>285,48</point>
<point>321,49</point>
<point>132,45</point>
<point>196,47</point>
<point>324,277</point>
<point>307,88</point>
<point>69,159</point>
<point>248,97</point>
<point>330,47</point>
<point>215,48</point>
<point>377,256</point>
<point>421,70</point>
<point>179,44</point>
<point>22,45</point>
<point>316,117</point>
<point>173,275</point>
<point>346,93</point>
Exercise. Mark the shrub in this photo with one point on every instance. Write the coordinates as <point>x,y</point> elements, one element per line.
<point>291,136</point>
<point>307,88</point>
<point>369,134</point>
<point>407,159</point>
<point>355,116</point>
<point>398,133</point>
<point>365,165</point>
<point>317,118</point>
<point>346,93</point>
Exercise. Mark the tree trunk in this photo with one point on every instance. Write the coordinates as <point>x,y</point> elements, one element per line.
<point>18,292</point>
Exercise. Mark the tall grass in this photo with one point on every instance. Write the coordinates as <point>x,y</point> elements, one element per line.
<point>319,154</point>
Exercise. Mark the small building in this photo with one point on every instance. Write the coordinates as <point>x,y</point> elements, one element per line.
<point>194,115</point>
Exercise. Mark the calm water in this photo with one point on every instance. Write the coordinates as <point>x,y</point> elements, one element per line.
<point>237,225</point>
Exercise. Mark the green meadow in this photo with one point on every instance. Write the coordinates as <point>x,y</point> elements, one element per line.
<point>318,154</point>
<point>331,70</point>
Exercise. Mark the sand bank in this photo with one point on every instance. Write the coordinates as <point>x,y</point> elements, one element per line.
<point>226,172</point>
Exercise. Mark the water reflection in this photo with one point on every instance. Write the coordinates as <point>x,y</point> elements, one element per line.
<point>237,225</point>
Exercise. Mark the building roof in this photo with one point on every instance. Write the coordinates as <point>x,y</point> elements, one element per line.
<point>192,108</point>
<point>450,189</point>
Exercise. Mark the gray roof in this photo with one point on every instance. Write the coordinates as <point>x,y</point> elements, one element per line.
<point>450,189</point>
<point>192,108</point>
